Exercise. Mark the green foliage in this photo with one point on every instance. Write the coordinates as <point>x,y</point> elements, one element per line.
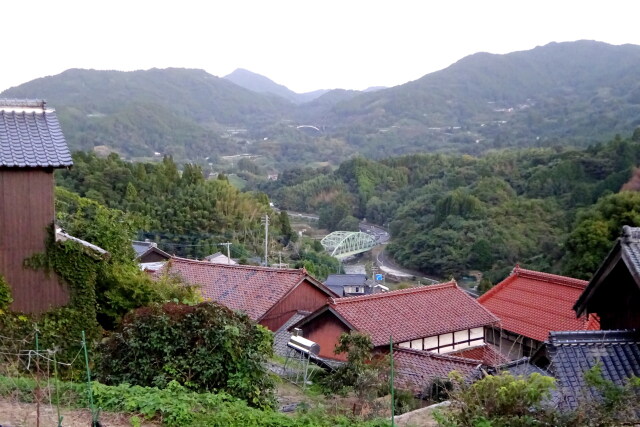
<point>618,403</point>
<point>505,400</point>
<point>186,214</point>
<point>113,285</point>
<point>312,257</point>
<point>596,229</point>
<point>175,405</point>
<point>501,400</point>
<point>452,213</point>
<point>360,374</point>
<point>484,286</point>
<point>206,347</point>
<point>5,295</point>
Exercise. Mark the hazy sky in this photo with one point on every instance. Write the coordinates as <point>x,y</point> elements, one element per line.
<point>302,44</point>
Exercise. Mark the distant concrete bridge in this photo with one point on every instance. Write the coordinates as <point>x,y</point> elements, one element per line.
<point>342,244</point>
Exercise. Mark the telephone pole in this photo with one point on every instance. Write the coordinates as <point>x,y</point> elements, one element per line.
<point>228,245</point>
<point>265,221</point>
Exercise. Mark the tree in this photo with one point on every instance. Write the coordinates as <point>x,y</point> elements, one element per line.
<point>596,230</point>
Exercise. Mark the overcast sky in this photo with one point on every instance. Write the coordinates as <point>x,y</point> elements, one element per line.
<point>302,44</point>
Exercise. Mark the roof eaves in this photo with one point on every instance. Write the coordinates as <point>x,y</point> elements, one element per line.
<point>391,294</point>
<point>318,313</point>
<point>603,270</point>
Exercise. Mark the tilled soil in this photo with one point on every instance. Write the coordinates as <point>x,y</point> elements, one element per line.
<point>15,414</point>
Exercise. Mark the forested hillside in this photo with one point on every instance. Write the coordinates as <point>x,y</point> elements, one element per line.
<point>182,112</point>
<point>185,213</point>
<point>188,215</point>
<point>561,94</point>
<point>449,214</point>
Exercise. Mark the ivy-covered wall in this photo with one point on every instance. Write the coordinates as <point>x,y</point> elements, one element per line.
<point>60,328</point>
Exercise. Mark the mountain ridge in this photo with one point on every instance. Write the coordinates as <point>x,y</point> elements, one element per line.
<point>261,84</point>
<point>571,93</point>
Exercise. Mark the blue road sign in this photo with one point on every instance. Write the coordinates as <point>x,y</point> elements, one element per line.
<point>378,276</point>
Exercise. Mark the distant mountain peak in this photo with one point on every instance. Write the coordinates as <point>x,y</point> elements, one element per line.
<point>261,84</point>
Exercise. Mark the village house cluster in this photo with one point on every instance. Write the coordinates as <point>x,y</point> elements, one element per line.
<point>531,321</point>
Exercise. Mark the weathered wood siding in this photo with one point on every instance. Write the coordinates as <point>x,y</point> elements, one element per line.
<point>152,257</point>
<point>325,330</point>
<point>305,297</point>
<point>26,212</point>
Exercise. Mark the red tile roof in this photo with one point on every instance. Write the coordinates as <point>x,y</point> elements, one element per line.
<point>253,290</point>
<point>411,313</point>
<point>532,303</point>
<point>487,354</point>
<point>415,369</point>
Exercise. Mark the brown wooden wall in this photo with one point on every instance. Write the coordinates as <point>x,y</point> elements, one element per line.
<point>305,297</point>
<point>152,257</point>
<point>325,330</point>
<point>26,212</point>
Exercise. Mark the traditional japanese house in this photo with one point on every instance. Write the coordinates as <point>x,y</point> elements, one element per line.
<point>269,296</point>
<point>530,304</point>
<point>437,318</point>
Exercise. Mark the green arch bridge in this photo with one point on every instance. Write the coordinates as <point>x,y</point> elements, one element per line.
<point>342,244</point>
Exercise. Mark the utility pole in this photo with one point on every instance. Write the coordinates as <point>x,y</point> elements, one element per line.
<point>228,245</point>
<point>265,221</point>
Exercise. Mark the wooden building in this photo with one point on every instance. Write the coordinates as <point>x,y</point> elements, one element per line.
<point>269,296</point>
<point>613,293</point>
<point>437,318</point>
<point>147,252</point>
<point>31,147</point>
<point>530,304</point>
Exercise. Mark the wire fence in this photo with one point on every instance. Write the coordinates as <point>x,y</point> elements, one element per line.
<point>31,375</point>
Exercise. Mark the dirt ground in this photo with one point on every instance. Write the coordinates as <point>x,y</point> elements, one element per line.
<point>13,414</point>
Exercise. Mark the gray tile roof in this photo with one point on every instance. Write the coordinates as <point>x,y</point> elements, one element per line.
<point>631,249</point>
<point>573,353</point>
<point>141,248</point>
<point>281,336</point>
<point>346,280</point>
<point>30,136</point>
<point>522,367</point>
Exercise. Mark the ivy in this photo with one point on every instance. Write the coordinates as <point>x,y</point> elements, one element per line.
<point>5,295</point>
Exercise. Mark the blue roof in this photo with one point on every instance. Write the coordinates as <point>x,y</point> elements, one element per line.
<point>30,136</point>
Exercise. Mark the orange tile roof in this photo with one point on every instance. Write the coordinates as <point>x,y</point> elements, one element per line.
<point>532,303</point>
<point>253,290</point>
<point>412,313</point>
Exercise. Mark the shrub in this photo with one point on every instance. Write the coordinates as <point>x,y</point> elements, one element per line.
<point>205,348</point>
<point>501,400</point>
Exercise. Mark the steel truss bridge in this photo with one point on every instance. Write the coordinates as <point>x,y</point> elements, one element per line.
<point>342,244</point>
